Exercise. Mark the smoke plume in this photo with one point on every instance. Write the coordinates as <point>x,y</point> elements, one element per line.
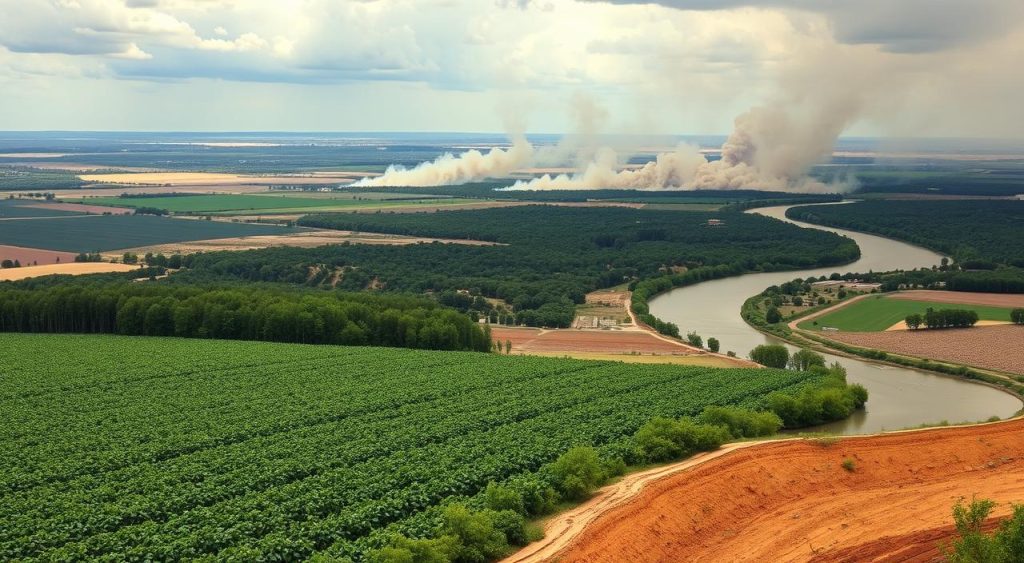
<point>448,169</point>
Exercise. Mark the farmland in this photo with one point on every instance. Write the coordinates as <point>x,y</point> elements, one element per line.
<point>169,449</point>
<point>878,313</point>
<point>261,202</point>
<point>87,233</point>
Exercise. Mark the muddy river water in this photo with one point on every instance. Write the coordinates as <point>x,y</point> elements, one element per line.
<point>899,397</point>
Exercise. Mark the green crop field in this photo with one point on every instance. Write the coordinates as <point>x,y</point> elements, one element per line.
<point>264,203</point>
<point>134,448</point>
<point>20,208</point>
<point>88,233</point>
<point>877,313</point>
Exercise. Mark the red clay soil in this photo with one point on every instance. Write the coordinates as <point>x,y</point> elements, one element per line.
<point>526,340</point>
<point>965,297</point>
<point>30,256</point>
<point>793,501</point>
<point>998,347</point>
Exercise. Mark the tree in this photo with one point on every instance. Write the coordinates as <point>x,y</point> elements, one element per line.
<point>798,301</point>
<point>1017,316</point>
<point>695,340</point>
<point>713,344</point>
<point>130,258</point>
<point>771,355</point>
<point>974,546</point>
<point>914,321</point>
<point>508,346</point>
<point>772,315</point>
<point>805,359</point>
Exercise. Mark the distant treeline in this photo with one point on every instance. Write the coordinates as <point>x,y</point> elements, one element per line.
<point>239,313</point>
<point>978,234</point>
<point>27,178</point>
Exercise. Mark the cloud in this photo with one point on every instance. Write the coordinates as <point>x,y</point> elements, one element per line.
<point>899,26</point>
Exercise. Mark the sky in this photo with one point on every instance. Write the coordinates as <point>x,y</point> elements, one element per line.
<point>906,68</point>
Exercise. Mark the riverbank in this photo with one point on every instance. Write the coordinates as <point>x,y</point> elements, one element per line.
<point>856,497</point>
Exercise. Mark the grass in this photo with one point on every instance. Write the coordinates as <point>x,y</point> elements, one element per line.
<point>878,313</point>
<point>88,233</point>
<point>253,202</point>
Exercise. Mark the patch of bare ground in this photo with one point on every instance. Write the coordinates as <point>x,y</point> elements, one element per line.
<point>965,297</point>
<point>793,500</point>
<point>302,239</point>
<point>997,347</point>
<point>35,256</point>
<point>207,178</point>
<point>70,268</point>
<point>637,345</point>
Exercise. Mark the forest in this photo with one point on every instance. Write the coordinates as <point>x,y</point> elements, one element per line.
<point>978,234</point>
<point>277,314</point>
<point>547,260</point>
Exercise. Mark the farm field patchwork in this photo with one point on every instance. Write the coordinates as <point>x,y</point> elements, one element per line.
<point>88,233</point>
<point>29,209</point>
<point>158,448</point>
<point>877,313</point>
<point>257,202</point>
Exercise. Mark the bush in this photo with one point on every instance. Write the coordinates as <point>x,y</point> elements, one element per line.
<point>499,498</point>
<point>849,465</point>
<point>973,545</point>
<point>478,539</point>
<point>695,340</point>
<point>1017,316</point>
<point>578,472</point>
<point>714,345</point>
<point>665,439</point>
<point>770,355</point>
<point>741,423</point>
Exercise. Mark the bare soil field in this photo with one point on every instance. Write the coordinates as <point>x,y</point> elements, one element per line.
<point>207,178</point>
<point>966,297</point>
<point>567,340</point>
<point>792,500</point>
<point>304,239</point>
<point>70,268</point>
<point>998,347</point>
<point>29,256</point>
<point>100,209</point>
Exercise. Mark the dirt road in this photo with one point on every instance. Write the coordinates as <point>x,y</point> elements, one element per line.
<point>792,500</point>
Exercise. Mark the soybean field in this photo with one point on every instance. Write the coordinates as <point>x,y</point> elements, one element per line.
<point>135,448</point>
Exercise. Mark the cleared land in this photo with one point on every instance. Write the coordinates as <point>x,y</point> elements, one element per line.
<point>879,312</point>
<point>1010,300</point>
<point>998,347</point>
<point>29,256</point>
<point>88,233</point>
<point>255,450</point>
<point>69,268</point>
<point>793,501</point>
<point>301,239</point>
<point>204,178</point>
<point>82,208</point>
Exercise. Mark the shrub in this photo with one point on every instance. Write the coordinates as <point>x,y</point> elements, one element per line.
<point>849,465</point>
<point>1017,316</point>
<point>742,423</point>
<point>713,344</point>
<point>578,472</point>
<point>665,439</point>
<point>478,537</point>
<point>499,497</point>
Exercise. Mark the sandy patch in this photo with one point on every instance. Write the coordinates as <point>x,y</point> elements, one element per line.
<point>71,268</point>
<point>207,178</point>
<point>304,239</point>
<point>999,347</point>
<point>965,297</point>
<point>791,500</point>
<point>30,256</point>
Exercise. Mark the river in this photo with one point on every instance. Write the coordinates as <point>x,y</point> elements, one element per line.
<point>899,397</point>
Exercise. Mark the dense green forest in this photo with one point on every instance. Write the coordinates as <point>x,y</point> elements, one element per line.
<point>978,234</point>
<point>547,260</point>
<point>26,178</point>
<point>237,313</point>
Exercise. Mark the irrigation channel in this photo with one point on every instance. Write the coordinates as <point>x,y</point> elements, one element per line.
<point>899,397</point>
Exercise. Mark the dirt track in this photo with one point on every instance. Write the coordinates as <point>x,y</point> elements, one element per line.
<point>792,501</point>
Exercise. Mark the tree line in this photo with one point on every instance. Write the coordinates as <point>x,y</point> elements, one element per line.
<point>240,313</point>
<point>942,318</point>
